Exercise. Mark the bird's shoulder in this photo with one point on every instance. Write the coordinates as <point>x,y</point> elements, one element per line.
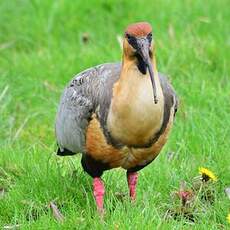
<point>171,98</point>
<point>90,87</point>
<point>96,77</point>
<point>85,93</point>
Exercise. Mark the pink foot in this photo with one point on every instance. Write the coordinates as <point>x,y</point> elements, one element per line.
<point>98,192</point>
<point>132,182</point>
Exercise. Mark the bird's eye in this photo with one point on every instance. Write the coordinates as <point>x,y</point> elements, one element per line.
<point>128,36</point>
<point>149,37</point>
<point>132,41</point>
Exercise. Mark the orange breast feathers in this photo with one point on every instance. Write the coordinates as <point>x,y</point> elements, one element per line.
<point>96,144</point>
<point>97,147</point>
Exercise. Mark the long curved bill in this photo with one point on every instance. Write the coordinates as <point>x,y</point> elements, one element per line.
<point>143,50</point>
<point>150,68</point>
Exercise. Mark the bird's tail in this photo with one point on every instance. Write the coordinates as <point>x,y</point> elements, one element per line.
<point>64,152</point>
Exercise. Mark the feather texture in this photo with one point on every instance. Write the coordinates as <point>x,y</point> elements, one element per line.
<point>89,93</point>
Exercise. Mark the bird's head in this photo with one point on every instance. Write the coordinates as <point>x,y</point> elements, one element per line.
<point>139,47</point>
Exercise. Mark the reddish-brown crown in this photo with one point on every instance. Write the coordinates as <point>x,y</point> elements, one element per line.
<point>139,29</point>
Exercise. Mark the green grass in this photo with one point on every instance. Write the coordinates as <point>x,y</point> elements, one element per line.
<point>41,49</point>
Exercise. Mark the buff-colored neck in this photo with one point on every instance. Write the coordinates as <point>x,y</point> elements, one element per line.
<point>131,78</point>
<point>134,117</point>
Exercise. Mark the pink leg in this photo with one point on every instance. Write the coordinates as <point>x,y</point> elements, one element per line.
<point>132,182</point>
<point>98,192</point>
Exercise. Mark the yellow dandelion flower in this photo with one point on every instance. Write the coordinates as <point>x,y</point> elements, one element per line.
<point>228,218</point>
<point>207,174</point>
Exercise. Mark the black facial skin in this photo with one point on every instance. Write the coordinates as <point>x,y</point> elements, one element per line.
<point>133,40</point>
<point>142,66</point>
<point>143,54</point>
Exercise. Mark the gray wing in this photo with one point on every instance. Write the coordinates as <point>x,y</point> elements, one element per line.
<point>86,92</point>
<point>171,99</point>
